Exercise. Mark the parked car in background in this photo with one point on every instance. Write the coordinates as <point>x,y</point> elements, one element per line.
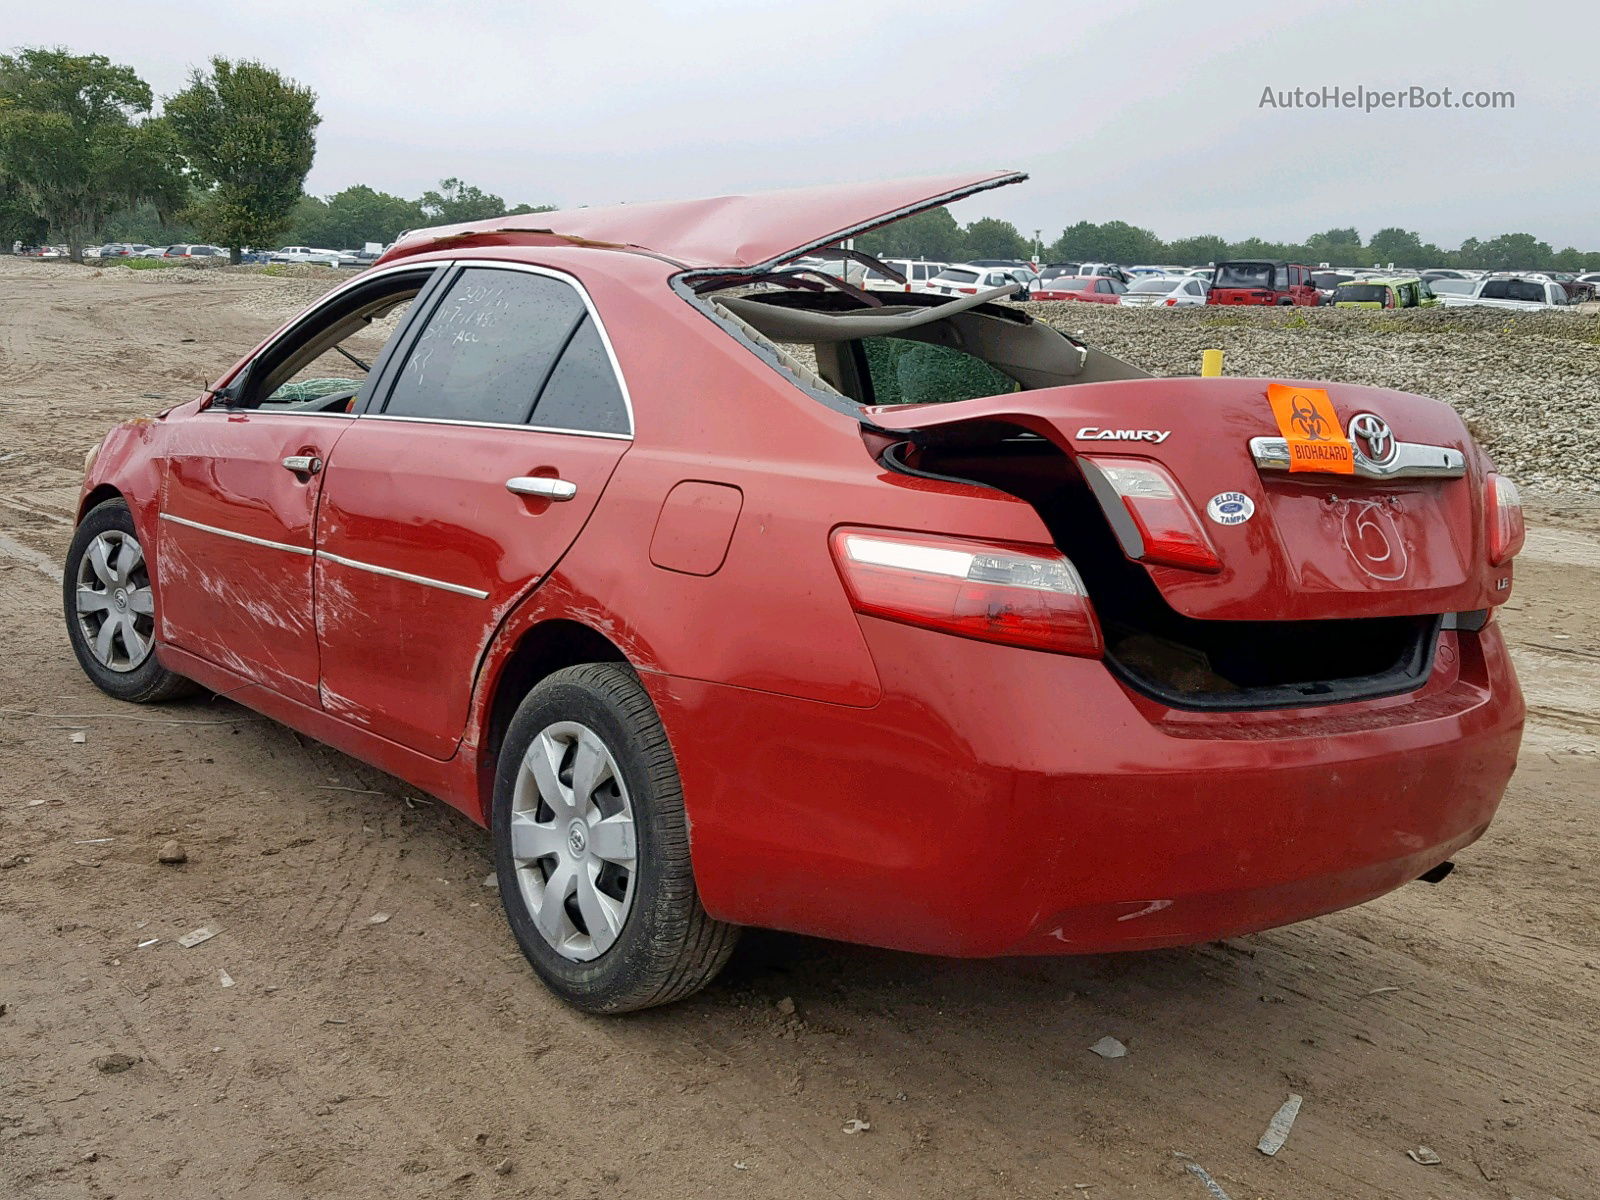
<point>1093,289</point>
<point>951,634</point>
<point>1578,290</point>
<point>195,251</point>
<point>1592,278</point>
<point>306,254</point>
<point>1262,281</point>
<point>1164,292</point>
<point>918,274</point>
<point>1326,281</point>
<point>971,278</point>
<point>1433,273</point>
<point>1108,270</point>
<point>1057,270</point>
<point>123,250</point>
<point>1400,291</point>
<point>1452,287</point>
<point>1512,291</point>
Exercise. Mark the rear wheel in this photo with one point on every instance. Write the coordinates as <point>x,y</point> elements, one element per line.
<point>110,609</point>
<point>592,847</point>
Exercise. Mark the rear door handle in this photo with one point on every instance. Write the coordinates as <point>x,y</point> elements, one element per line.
<point>303,464</point>
<point>539,485</point>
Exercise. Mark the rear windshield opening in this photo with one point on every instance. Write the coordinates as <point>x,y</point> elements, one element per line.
<point>1181,661</point>
<point>918,349</point>
<point>1245,275</point>
<point>1363,292</point>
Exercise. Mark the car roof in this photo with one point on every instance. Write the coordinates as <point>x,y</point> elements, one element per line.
<point>757,230</point>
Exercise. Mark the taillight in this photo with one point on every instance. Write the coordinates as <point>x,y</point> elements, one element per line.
<point>968,291</point>
<point>1507,531</point>
<point>992,591</point>
<point>1171,300</point>
<point>1164,528</point>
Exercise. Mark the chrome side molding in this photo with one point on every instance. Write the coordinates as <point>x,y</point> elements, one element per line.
<point>1410,460</point>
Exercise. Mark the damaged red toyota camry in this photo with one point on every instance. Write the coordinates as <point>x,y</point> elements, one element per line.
<point>728,594</point>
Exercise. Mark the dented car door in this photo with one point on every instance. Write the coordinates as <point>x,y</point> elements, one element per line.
<point>491,436</point>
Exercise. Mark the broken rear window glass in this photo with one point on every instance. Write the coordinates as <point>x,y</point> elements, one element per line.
<point>904,371</point>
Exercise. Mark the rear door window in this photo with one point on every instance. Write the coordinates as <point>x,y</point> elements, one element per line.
<point>488,348</point>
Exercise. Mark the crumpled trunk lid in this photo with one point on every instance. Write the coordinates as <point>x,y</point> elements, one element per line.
<point>1314,545</point>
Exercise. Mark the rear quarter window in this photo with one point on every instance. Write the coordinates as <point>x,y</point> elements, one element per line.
<point>583,394</point>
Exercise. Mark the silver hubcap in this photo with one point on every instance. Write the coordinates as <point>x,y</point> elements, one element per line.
<point>572,840</point>
<point>116,609</point>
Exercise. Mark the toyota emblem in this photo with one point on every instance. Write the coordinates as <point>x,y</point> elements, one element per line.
<point>1373,438</point>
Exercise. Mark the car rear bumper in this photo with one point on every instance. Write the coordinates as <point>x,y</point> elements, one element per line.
<point>1004,801</point>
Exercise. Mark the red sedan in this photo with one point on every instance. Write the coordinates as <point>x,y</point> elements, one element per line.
<point>1095,289</point>
<point>920,624</point>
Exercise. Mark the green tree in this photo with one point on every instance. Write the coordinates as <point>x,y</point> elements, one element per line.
<point>1569,259</point>
<point>1197,251</point>
<point>357,215</point>
<point>989,237</point>
<point>456,202</point>
<point>932,235</point>
<point>149,224</point>
<point>251,134</point>
<point>1398,246</point>
<point>1336,247</point>
<point>1115,241</point>
<point>19,223</point>
<point>1514,252</point>
<point>77,142</point>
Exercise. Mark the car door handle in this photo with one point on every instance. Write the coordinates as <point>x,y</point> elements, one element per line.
<point>540,485</point>
<point>303,464</point>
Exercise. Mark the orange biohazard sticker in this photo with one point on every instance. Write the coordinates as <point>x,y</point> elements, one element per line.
<point>1309,425</point>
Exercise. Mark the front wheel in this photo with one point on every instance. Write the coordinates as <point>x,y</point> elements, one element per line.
<point>111,609</point>
<point>592,847</point>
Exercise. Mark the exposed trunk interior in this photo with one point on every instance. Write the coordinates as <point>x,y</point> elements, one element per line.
<point>1181,661</point>
<point>856,351</point>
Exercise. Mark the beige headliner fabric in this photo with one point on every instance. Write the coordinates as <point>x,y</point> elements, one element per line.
<point>1032,353</point>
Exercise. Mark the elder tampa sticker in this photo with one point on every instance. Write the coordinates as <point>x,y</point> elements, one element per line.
<point>1230,508</point>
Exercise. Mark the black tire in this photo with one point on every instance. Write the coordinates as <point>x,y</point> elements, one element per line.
<point>668,947</point>
<point>148,682</point>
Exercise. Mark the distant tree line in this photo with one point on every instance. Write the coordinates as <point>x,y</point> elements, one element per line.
<point>84,157</point>
<point>936,235</point>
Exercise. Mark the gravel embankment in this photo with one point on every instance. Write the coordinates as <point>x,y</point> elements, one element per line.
<point>1528,385</point>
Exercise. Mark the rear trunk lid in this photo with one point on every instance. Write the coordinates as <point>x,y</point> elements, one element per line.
<point>744,233</point>
<point>1404,536</point>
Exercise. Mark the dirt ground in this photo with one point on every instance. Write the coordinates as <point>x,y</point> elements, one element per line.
<point>420,1057</point>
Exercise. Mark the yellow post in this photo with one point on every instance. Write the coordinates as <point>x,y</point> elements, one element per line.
<point>1211,363</point>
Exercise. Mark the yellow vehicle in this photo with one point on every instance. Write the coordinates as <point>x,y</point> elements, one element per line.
<point>1397,291</point>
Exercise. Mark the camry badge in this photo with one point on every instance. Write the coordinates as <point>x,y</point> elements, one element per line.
<point>1092,433</point>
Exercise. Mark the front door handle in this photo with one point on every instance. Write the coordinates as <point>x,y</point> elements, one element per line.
<point>303,464</point>
<point>542,486</point>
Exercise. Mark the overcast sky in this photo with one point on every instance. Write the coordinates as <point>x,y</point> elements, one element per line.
<point>1147,112</point>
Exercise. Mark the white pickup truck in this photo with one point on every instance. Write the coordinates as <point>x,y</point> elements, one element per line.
<point>1525,293</point>
<point>306,254</point>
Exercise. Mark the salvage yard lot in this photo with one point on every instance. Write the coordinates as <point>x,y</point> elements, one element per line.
<point>419,1056</point>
